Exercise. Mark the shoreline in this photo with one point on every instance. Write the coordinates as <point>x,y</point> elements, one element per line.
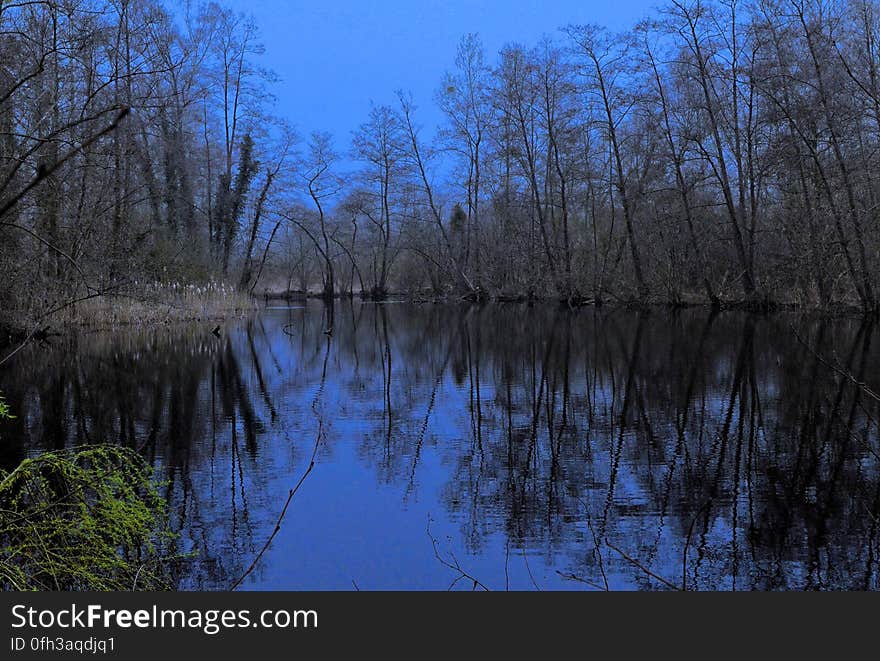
<point>13,328</point>
<point>761,306</point>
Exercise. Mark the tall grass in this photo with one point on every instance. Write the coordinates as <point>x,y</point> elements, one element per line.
<point>158,303</point>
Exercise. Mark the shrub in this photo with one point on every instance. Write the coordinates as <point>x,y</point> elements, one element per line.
<point>84,519</point>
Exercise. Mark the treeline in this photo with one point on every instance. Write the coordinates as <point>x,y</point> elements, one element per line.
<point>720,152</point>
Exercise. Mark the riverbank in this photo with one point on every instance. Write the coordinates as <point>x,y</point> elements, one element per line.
<point>168,303</point>
<point>161,304</point>
<point>758,305</point>
<point>153,304</point>
<point>150,304</point>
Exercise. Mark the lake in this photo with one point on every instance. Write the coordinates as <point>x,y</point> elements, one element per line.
<point>520,447</point>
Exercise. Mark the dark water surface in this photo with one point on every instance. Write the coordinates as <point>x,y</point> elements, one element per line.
<point>645,449</point>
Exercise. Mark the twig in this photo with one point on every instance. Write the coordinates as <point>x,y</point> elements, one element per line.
<point>687,544</point>
<point>507,566</point>
<point>529,570</point>
<point>136,576</point>
<point>579,579</point>
<point>50,246</point>
<point>839,370</point>
<point>598,548</point>
<point>639,565</point>
<point>42,317</point>
<point>44,173</point>
<point>454,565</point>
<point>597,544</point>
<point>290,496</point>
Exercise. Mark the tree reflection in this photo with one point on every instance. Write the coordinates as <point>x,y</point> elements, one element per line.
<point>710,450</point>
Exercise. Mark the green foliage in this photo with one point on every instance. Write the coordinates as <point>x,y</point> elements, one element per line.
<point>5,411</point>
<point>85,519</point>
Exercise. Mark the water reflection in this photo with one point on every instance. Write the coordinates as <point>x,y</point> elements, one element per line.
<point>552,449</point>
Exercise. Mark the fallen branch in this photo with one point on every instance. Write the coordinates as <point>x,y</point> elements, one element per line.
<point>454,565</point>
<point>36,329</point>
<point>642,567</point>
<point>580,579</point>
<point>280,519</point>
<point>839,370</point>
<point>687,543</point>
<point>529,570</point>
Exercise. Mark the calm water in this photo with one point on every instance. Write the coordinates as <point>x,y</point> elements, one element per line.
<point>714,451</point>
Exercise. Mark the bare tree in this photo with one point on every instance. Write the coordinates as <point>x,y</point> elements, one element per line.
<point>380,143</point>
<point>604,58</point>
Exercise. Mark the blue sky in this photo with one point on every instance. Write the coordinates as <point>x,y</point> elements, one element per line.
<point>335,58</point>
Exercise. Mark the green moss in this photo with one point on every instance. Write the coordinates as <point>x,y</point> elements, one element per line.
<point>85,519</point>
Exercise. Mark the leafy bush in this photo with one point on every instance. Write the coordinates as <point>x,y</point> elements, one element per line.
<point>5,411</point>
<point>84,519</point>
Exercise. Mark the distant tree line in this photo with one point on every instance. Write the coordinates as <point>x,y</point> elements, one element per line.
<point>720,152</point>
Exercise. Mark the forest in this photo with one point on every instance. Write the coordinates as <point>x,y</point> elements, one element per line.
<point>721,153</point>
